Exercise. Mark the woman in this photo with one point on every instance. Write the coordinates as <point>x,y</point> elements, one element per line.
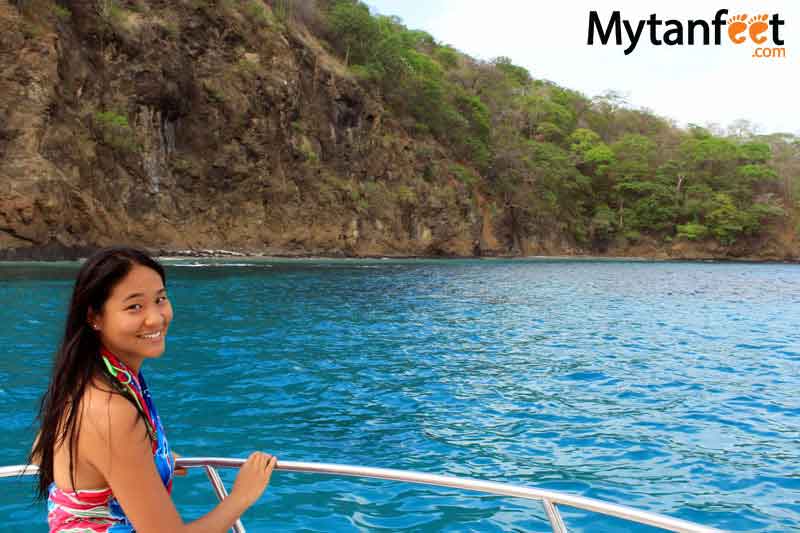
<point>104,461</point>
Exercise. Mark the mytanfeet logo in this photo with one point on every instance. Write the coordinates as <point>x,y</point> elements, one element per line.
<point>742,28</point>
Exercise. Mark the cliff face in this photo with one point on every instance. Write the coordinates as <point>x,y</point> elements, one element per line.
<point>193,125</point>
<point>196,124</point>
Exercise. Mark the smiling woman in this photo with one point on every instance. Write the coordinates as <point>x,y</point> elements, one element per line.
<point>133,323</point>
<point>105,464</point>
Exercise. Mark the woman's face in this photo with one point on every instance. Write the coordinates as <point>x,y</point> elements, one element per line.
<point>134,320</point>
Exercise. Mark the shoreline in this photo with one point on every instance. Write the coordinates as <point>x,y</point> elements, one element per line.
<point>76,255</point>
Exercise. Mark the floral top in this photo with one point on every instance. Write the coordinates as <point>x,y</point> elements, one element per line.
<point>97,511</point>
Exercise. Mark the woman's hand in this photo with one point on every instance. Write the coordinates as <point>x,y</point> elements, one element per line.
<point>253,477</point>
<point>179,471</point>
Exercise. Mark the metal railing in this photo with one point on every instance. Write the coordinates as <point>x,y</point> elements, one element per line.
<point>549,498</point>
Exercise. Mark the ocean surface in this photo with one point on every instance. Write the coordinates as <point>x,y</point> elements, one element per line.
<point>671,387</point>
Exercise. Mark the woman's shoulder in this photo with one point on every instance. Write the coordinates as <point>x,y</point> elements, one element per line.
<point>108,411</point>
<point>111,430</point>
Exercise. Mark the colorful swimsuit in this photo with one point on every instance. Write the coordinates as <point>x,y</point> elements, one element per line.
<point>97,511</point>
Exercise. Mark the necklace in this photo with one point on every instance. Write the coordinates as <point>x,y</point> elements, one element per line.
<point>128,383</point>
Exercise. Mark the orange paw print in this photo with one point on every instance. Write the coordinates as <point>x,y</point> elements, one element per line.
<point>756,26</point>
<point>736,27</point>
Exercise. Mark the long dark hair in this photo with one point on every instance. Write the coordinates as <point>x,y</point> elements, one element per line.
<point>77,360</point>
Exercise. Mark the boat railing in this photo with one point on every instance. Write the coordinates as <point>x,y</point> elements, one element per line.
<point>550,499</point>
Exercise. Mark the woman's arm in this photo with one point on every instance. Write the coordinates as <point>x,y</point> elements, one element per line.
<point>250,483</point>
<point>118,447</point>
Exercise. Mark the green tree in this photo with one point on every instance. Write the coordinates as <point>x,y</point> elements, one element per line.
<point>518,74</point>
<point>591,153</point>
<point>354,28</point>
<point>725,220</point>
<point>630,171</point>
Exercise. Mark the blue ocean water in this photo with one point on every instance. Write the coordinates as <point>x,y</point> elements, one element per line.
<point>670,387</point>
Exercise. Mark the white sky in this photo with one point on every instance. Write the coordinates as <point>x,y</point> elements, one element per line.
<point>698,84</point>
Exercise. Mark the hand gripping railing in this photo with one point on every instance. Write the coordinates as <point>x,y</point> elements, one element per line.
<point>549,498</point>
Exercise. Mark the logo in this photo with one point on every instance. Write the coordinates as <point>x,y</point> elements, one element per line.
<point>742,28</point>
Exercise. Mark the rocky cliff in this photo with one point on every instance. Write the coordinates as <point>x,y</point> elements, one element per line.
<point>197,124</point>
<point>194,125</point>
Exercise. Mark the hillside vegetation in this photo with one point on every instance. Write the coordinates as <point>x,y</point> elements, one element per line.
<point>302,127</point>
<point>594,169</point>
